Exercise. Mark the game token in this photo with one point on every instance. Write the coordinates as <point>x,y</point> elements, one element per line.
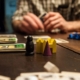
<point>42,17</point>
<point>47,51</point>
<point>77,37</point>
<point>29,46</point>
<point>71,36</point>
<point>50,67</point>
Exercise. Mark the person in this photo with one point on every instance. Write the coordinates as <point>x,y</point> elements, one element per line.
<point>57,14</point>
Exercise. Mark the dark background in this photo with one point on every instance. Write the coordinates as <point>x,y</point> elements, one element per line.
<point>7,8</point>
<point>2,16</point>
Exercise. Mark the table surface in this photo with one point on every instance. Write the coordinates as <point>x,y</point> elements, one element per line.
<point>12,64</point>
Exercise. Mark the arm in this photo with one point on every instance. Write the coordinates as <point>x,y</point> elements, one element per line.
<point>54,20</point>
<point>24,21</point>
<point>18,15</point>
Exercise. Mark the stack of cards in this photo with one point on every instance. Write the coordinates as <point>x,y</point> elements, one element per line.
<point>8,43</point>
<point>8,38</point>
<point>8,35</point>
<point>12,47</point>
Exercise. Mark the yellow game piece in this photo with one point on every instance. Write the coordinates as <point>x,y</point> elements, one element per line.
<point>43,43</point>
<point>49,39</point>
<point>38,45</point>
<point>52,44</point>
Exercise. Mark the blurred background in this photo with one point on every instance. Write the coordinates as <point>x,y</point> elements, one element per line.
<point>7,8</point>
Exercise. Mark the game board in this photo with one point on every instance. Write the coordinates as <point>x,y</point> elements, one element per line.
<point>73,45</point>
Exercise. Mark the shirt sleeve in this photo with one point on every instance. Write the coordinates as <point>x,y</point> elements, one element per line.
<point>22,8</point>
<point>77,9</point>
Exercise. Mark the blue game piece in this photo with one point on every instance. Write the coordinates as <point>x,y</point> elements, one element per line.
<point>77,36</point>
<point>71,36</point>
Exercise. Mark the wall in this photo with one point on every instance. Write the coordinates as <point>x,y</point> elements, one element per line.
<point>10,7</point>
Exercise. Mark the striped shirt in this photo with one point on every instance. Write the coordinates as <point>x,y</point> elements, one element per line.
<point>69,9</point>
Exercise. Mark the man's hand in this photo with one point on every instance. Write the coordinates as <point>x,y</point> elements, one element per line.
<point>30,24</point>
<point>54,20</point>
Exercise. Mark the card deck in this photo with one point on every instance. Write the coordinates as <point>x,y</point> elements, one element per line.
<point>12,47</point>
<point>7,36</point>
<point>8,40</point>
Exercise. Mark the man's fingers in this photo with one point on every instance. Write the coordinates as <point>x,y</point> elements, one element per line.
<point>26,27</point>
<point>31,22</point>
<point>57,26</point>
<point>50,20</point>
<point>50,14</point>
<point>36,19</point>
<point>52,24</point>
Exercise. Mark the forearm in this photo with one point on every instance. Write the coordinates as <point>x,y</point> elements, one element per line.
<point>75,26</point>
<point>16,24</point>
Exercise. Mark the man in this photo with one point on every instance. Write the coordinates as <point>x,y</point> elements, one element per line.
<point>27,16</point>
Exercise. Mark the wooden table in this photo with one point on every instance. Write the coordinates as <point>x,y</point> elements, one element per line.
<point>12,64</point>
